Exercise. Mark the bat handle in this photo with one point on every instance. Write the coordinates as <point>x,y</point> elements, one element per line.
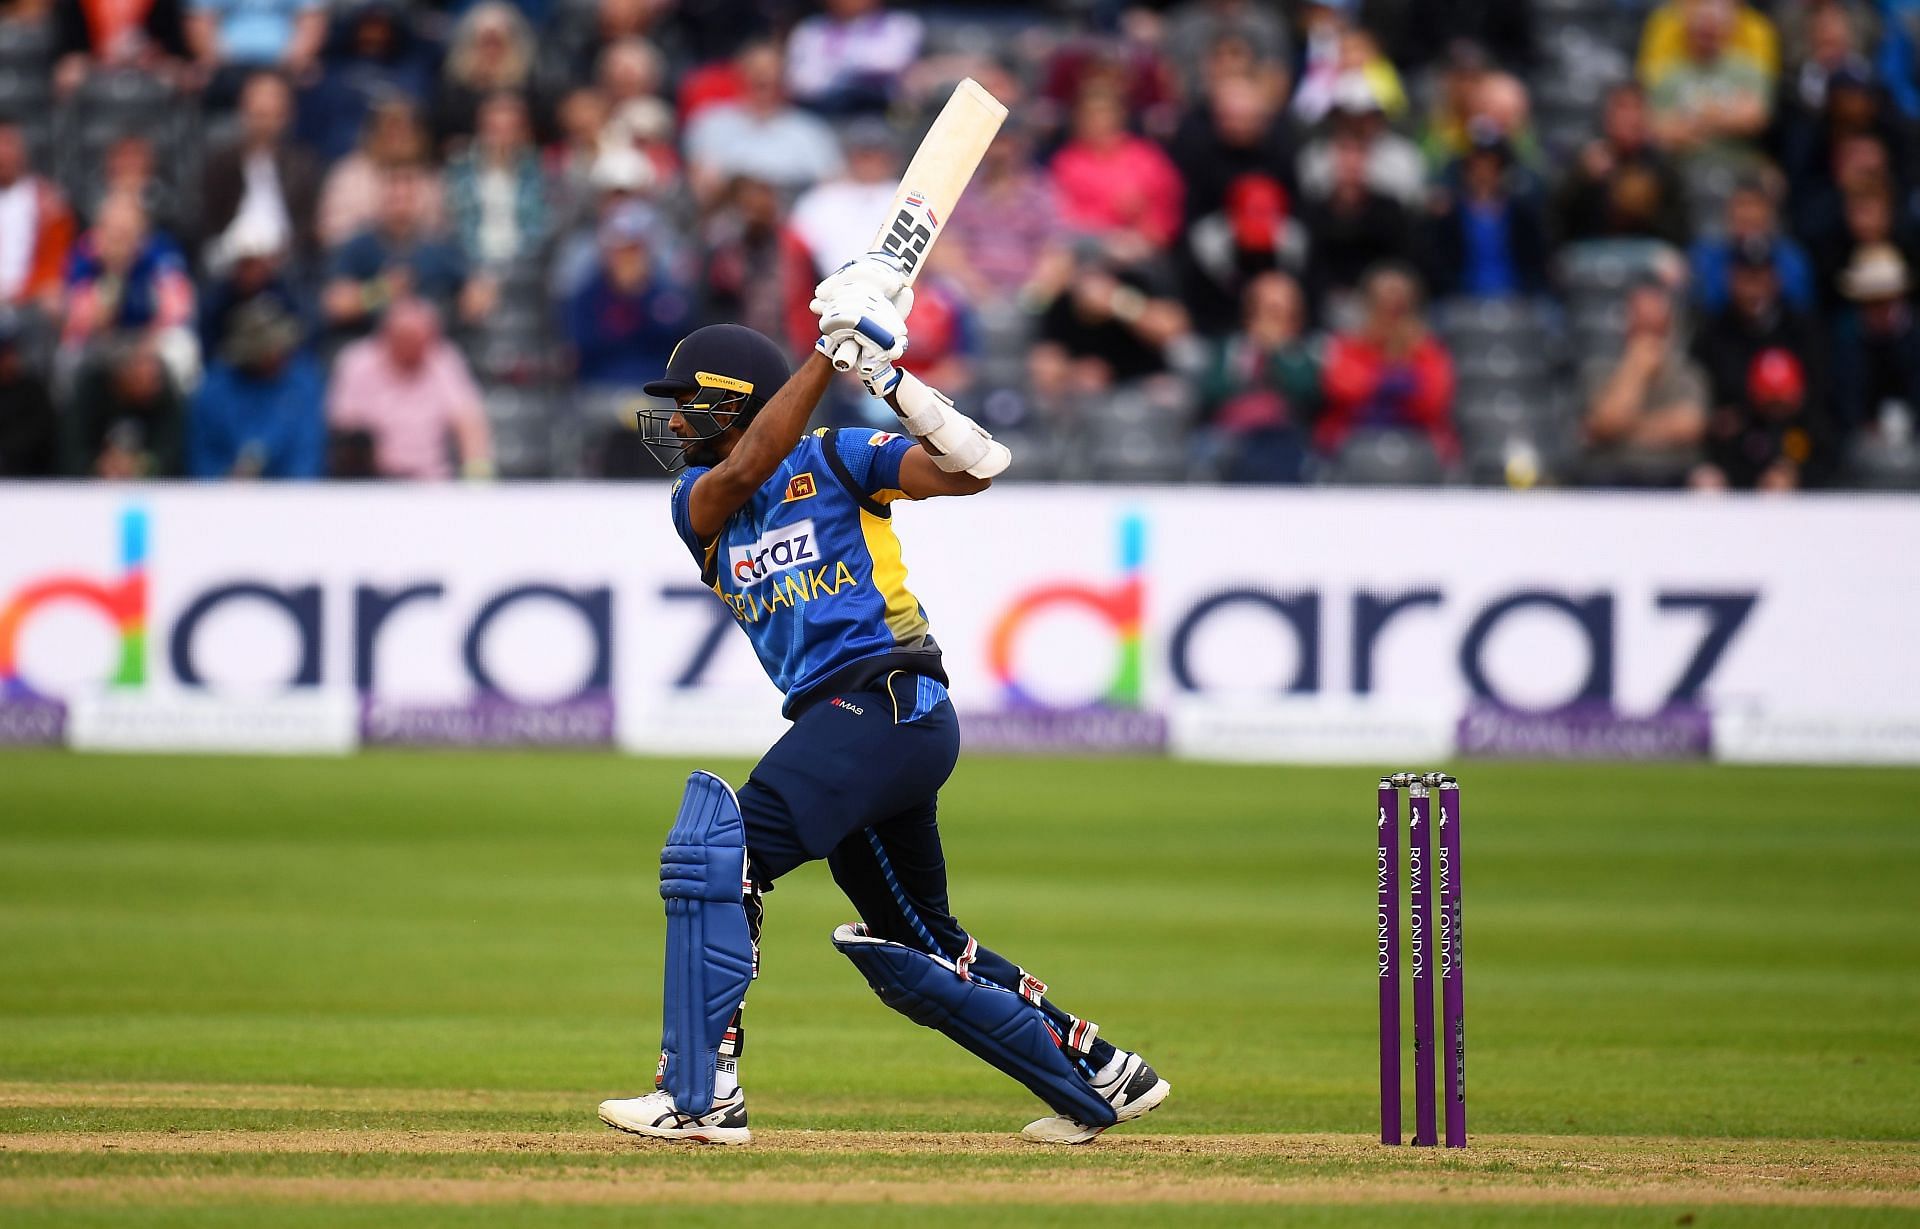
<point>845,355</point>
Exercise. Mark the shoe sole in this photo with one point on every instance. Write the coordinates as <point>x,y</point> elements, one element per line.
<point>1138,1109</point>
<point>686,1135</point>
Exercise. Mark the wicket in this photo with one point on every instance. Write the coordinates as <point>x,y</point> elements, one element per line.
<point>1432,871</point>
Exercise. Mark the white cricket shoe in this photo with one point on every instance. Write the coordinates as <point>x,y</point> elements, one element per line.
<point>1133,1090</point>
<point>655,1117</point>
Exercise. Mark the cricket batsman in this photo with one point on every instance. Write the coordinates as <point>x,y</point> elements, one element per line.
<point>792,530</point>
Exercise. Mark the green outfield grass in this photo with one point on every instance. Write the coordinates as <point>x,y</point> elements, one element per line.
<point>390,989</point>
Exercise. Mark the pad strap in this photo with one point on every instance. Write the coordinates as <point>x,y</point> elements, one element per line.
<point>710,954</point>
<point>999,1026</point>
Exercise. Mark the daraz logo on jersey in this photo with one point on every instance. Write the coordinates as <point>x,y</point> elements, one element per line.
<point>779,548</point>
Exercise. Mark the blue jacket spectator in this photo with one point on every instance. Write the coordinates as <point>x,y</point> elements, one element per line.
<point>260,411</point>
<point>1489,232</point>
<point>1751,216</point>
<point>627,318</point>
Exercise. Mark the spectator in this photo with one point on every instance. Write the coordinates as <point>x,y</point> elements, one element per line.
<point>1128,62</point>
<point>1195,28</point>
<point>632,77</point>
<point>397,257</point>
<point>373,57</point>
<point>126,279</point>
<point>129,167</point>
<point>1825,153</point>
<point>1620,186</point>
<point>1498,102</point>
<point>395,139</point>
<point>1354,227</point>
<point>252,265</point>
<point>1833,46</point>
<point>1869,219</point>
<point>1647,412</point>
<point>850,57</point>
<point>571,49</point>
<point>582,120</point>
<point>125,414</point>
<point>1876,361</point>
<point>1457,95</point>
<point>1107,180</point>
<point>261,176</point>
<point>491,52</point>
<point>1711,101</point>
<point>620,176</point>
<point>1756,319</point>
<point>1112,324</point>
<point>496,189</point>
<point>259,413</point>
<point>29,429</point>
<point>1236,133</point>
<point>1323,29</point>
<point>1751,217</point>
<point>1488,238</point>
<point>837,217</point>
<point>1665,38</point>
<point>1260,391</point>
<point>755,269</point>
<point>1771,437</point>
<point>409,391</point>
<point>626,320</point>
<point>233,39</point>
<point>1254,233</point>
<point>761,135</point>
<point>1389,374</point>
<point>143,34</point>
<point>1008,222</point>
<point>36,228</point>
<point>1394,165</point>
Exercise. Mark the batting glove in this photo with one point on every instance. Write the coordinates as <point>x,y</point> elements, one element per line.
<point>875,273</point>
<point>865,318</point>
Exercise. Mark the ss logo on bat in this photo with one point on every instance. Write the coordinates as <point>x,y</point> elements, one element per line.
<point>908,240</point>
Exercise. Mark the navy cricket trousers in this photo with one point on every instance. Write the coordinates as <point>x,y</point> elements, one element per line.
<point>856,781</point>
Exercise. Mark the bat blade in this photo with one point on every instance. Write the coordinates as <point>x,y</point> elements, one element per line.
<point>931,187</point>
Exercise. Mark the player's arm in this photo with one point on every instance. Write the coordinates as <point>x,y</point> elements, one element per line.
<point>922,478</point>
<point>773,433</point>
<point>956,456</point>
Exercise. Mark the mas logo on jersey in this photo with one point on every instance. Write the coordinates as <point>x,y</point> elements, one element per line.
<point>779,549</point>
<point>879,438</point>
<point>801,487</point>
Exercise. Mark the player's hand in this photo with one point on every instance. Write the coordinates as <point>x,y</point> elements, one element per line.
<point>875,273</point>
<point>879,376</point>
<point>865,318</point>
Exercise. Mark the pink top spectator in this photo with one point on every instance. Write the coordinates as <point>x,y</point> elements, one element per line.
<point>1107,179</point>
<point>413,411</point>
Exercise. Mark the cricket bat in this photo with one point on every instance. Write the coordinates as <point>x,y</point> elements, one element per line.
<point>932,185</point>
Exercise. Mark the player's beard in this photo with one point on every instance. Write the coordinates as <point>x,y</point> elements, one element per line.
<point>704,454</point>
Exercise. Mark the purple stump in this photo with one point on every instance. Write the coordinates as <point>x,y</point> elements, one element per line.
<point>1426,1128</point>
<point>1387,889</point>
<point>1453,1010</point>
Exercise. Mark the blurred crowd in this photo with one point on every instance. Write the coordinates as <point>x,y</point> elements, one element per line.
<point>1507,242</point>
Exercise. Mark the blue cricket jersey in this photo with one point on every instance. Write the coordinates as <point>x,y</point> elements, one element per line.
<point>811,569</point>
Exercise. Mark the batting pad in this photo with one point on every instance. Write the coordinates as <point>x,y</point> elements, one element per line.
<point>996,1025</point>
<point>709,947</point>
